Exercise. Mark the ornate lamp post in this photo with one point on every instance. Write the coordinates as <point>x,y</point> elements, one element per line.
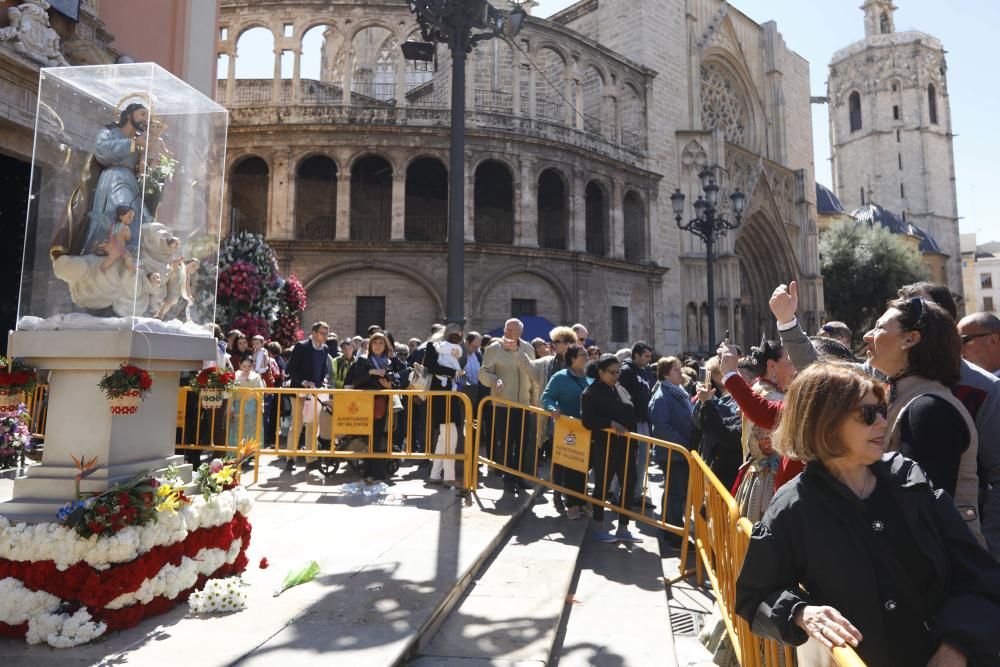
<point>461,24</point>
<point>708,226</point>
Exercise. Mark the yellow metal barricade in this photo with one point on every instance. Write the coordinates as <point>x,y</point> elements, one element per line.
<point>509,438</point>
<point>38,408</point>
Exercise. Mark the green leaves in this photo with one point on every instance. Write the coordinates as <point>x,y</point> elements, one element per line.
<point>296,577</point>
<point>863,267</point>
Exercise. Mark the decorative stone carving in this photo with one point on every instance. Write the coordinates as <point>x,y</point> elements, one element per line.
<point>722,105</point>
<point>31,35</point>
<point>694,156</point>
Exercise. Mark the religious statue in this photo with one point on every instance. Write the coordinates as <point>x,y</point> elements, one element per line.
<point>32,35</point>
<point>109,249</point>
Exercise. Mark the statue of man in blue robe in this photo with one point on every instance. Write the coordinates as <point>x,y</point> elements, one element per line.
<point>118,149</point>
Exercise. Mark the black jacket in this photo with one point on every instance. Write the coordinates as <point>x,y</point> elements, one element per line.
<point>439,412</point>
<point>599,406</point>
<point>812,536</point>
<point>359,377</point>
<point>300,365</point>
<point>720,443</point>
<point>634,380</point>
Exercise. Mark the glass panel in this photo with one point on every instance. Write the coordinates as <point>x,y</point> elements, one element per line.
<point>123,221</point>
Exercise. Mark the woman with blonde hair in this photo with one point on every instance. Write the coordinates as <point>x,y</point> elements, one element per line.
<point>860,549</point>
<point>376,372</point>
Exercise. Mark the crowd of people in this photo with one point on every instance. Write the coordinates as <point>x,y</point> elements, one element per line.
<point>873,482</point>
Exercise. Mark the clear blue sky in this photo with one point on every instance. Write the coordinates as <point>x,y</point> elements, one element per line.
<point>967,29</point>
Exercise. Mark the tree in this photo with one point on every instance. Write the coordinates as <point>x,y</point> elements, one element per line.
<point>862,269</point>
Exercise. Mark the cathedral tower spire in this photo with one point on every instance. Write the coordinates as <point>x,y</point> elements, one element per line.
<point>878,17</point>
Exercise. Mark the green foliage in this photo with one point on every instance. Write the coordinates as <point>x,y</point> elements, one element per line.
<point>862,269</point>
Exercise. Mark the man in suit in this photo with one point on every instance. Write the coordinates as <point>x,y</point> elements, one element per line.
<point>308,368</point>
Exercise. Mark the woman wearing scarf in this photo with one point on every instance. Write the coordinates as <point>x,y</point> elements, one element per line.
<point>671,418</point>
<point>604,406</point>
<point>375,372</point>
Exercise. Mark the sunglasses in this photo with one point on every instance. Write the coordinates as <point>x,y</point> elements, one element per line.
<point>916,304</point>
<point>968,338</point>
<point>869,413</point>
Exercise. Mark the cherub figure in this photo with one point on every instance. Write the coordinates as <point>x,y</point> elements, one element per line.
<point>116,247</point>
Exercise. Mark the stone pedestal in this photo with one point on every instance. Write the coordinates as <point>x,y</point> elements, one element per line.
<point>79,420</point>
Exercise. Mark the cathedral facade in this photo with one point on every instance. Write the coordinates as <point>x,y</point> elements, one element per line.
<point>891,134</point>
<point>578,131</point>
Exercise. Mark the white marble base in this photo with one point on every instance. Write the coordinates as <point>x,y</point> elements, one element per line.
<point>79,421</point>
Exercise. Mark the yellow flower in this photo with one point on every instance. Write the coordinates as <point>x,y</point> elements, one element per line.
<point>164,490</point>
<point>225,476</point>
<point>169,504</point>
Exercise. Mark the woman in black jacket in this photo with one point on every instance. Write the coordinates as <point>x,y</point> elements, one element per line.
<point>606,405</point>
<point>374,372</point>
<point>860,549</point>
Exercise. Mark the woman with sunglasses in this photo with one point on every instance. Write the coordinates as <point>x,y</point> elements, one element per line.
<point>860,549</point>
<point>916,345</point>
<point>606,406</point>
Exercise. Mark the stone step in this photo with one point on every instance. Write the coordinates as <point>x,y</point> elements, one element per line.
<point>511,613</point>
<point>618,610</point>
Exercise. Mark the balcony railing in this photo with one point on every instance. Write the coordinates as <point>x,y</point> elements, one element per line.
<point>631,140</point>
<point>371,227</point>
<point>494,100</point>
<point>550,110</point>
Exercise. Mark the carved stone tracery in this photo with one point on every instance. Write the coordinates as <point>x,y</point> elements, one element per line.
<point>723,106</point>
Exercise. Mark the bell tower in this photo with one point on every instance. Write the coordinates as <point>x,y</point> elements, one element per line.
<point>878,17</point>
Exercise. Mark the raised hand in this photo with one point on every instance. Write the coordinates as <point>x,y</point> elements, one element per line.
<point>784,302</point>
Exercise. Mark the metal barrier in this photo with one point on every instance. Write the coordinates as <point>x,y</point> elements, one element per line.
<point>502,427</point>
<point>722,537</point>
<point>305,423</point>
<point>37,406</point>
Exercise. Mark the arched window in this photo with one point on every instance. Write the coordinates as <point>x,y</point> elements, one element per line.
<point>493,203</point>
<point>854,104</point>
<point>375,57</point>
<point>249,45</point>
<point>883,24</point>
<point>316,199</point>
<point>371,199</point>
<point>932,103</point>
<point>635,226</point>
<point>249,182</point>
<point>552,214</point>
<point>593,103</point>
<point>632,118</point>
<point>493,76</point>
<point>596,220</point>
<point>426,201</point>
<point>550,88</point>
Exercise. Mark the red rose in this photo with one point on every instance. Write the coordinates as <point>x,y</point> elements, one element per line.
<point>263,563</point>
<point>5,379</point>
<point>102,510</point>
<point>123,498</point>
<point>145,382</point>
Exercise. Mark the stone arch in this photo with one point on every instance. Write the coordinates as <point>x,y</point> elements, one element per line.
<point>501,285</point>
<point>550,88</point>
<point>374,61</point>
<point>253,37</point>
<point>766,260</point>
<point>593,87</point>
<point>250,184</point>
<point>426,209</point>
<point>356,157</point>
<point>493,201</point>
<point>729,101</point>
<point>634,214</point>
<point>371,198</point>
<point>492,71</point>
<point>632,111</point>
<point>316,197</point>
<point>552,199</point>
<point>326,64</point>
<point>596,219</point>
<point>409,311</point>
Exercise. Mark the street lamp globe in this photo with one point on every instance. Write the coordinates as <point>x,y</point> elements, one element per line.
<point>706,175</point>
<point>677,203</point>
<point>739,202</point>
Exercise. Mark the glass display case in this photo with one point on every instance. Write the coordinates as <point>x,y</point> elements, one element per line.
<point>125,205</point>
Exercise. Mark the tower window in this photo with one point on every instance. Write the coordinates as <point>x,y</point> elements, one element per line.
<point>883,24</point>
<point>902,192</point>
<point>854,104</point>
<point>895,87</point>
<point>895,112</point>
<point>619,324</point>
<point>900,157</point>
<point>898,136</point>
<point>862,196</point>
<point>523,307</point>
<point>932,103</point>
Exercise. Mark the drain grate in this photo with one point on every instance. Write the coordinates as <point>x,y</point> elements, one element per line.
<point>684,622</point>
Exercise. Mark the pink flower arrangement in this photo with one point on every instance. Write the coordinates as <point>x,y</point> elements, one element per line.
<point>286,329</point>
<point>252,325</point>
<point>241,282</point>
<point>295,295</point>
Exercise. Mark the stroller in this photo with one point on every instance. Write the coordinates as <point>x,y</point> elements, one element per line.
<point>351,443</point>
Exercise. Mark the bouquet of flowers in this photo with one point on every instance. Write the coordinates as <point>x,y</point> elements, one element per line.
<point>159,172</point>
<point>212,385</point>
<point>15,439</point>
<point>287,328</point>
<point>241,281</point>
<point>125,388</point>
<point>131,503</point>
<point>16,379</point>
<point>252,325</point>
<point>223,474</point>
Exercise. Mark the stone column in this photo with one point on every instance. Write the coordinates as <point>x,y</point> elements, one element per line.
<point>280,220</point>
<point>617,220</point>
<point>577,212</point>
<point>526,224</point>
<point>231,78</point>
<point>532,93</point>
<point>276,83</point>
<point>398,205</point>
<point>401,83</point>
<point>296,74</point>
<point>516,86</point>
<point>469,223</point>
<point>343,205</point>
<point>348,77</point>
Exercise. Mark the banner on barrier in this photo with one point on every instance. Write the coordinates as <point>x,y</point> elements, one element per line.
<point>353,413</point>
<point>571,444</point>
